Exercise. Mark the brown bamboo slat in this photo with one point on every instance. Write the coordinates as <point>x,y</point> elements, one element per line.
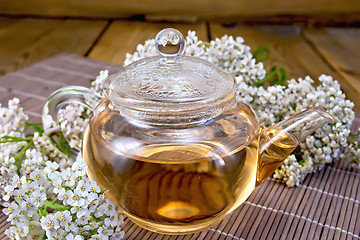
<point>288,49</point>
<point>25,41</point>
<point>324,206</point>
<point>123,36</point>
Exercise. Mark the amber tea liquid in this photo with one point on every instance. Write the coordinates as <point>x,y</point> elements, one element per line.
<point>172,188</point>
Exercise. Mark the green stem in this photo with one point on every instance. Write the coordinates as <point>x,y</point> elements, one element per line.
<point>36,127</point>
<point>16,140</point>
<point>35,123</point>
<point>20,156</point>
<point>354,136</point>
<point>55,206</point>
<point>267,77</point>
<point>93,218</point>
<point>43,152</point>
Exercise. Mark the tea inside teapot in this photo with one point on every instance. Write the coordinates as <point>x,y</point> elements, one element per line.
<point>167,177</point>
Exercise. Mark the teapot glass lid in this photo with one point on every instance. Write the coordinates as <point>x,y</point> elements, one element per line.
<point>171,77</point>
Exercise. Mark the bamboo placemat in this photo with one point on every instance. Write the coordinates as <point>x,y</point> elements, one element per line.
<point>324,206</point>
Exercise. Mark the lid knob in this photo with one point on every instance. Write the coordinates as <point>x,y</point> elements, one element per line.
<point>169,42</point>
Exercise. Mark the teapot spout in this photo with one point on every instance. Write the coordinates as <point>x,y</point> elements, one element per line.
<point>278,141</point>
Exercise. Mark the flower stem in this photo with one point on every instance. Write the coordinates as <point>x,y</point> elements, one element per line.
<point>14,139</point>
<point>43,152</point>
<point>20,156</point>
<point>354,136</point>
<point>55,206</point>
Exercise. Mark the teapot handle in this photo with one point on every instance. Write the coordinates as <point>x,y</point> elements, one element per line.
<point>58,100</point>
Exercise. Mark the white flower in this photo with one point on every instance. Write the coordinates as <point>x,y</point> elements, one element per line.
<point>72,227</point>
<point>51,167</point>
<point>79,166</point>
<point>83,220</point>
<point>63,217</point>
<point>50,125</point>
<point>76,199</point>
<point>108,207</point>
<point>83,188</point>
<point>56,182</point>
<point>105,231</point>
<point>65,195</point>
<point>36,232</point>
<point>99,237</point>
<point>80,211</point>
<point>9,208</point>
<point>48,222</point>
<point>70,236</point>
<point>113,220</point>
<point>39,177</point>
<point>100,80</point>
<point>94,187</point>
<point>69,177</point>
<point>37,198</point>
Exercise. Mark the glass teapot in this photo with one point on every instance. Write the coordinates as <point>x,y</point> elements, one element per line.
<point>172,145</point>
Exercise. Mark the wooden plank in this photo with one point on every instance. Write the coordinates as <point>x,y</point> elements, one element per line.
<point>340,48</point>
<point>24,41</point>
<point>123,36</point>
<point>199,8</point>
<point>288,49</point>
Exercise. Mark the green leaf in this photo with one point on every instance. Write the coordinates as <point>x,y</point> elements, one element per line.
<point>35,126</point>
<point>41,212</point>
<point>263,59</point>
<point>303,161</point>
<point>282,74</point>
<point>258,52</point>
<point>53,142</point>
<point>268,77</point>
<point>276,76</point>
<point>93,218</point>
<point>38,129</point>
<point>355,139</point>
<point>92,232</point>
<point>14,139</point>
<point>62,143</point>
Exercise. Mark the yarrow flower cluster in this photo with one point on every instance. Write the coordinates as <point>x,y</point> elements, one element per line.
<point>59,204</point>
<point>73,120</point>
<point>12,126</point>
<point>278,102</point>
<point>98,83</point>
<point>46,194</point>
